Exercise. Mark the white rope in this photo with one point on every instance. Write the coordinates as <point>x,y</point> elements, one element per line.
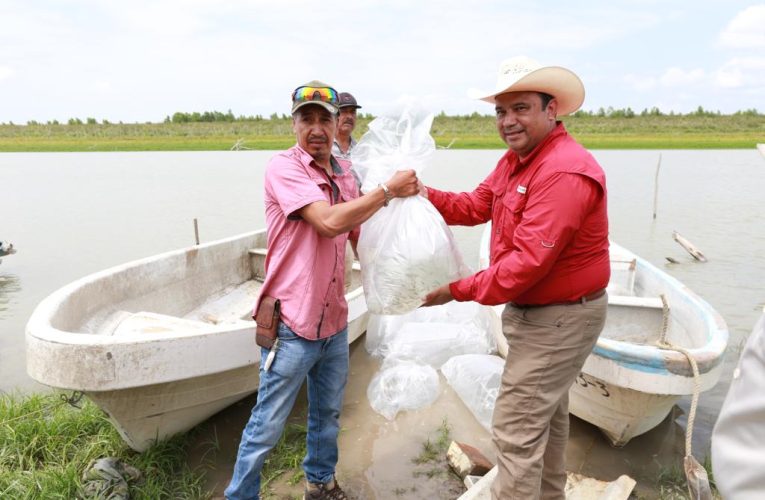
<point>698,482</point>
<point>663,344</point>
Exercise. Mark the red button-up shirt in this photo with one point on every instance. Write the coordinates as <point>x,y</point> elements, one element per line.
<point>549,241</point>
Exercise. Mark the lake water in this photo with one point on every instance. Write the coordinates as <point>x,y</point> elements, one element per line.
<point>70,214</point>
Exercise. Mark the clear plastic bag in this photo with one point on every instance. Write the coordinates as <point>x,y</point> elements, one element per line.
<point>406,249</point>
<point>400,139</point>
<point>402,385</point>
<point>435,343</point>
<point>469,324</point>
<point>476,379</point>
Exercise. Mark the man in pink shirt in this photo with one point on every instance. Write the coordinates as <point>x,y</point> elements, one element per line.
<point>549,262</point>
<point>312,204</point>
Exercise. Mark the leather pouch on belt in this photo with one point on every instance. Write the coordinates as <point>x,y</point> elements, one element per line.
<point>267,319</point>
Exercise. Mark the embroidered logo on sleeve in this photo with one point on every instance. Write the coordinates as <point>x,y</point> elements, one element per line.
<point>521,189</point>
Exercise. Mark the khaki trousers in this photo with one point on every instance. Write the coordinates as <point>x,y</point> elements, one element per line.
<point>547,348</point>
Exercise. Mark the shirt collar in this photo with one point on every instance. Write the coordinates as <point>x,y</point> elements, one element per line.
<point>515,161</point>
<point>350,145</point>
<point>308,160</point>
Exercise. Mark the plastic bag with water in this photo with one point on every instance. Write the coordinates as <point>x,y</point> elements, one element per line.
<point>476,379</point>
<point>476,321</point>
<point>432,335</point>
<point>402,385</point>
<point>406,249</point>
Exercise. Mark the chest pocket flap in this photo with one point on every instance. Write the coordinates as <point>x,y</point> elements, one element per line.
<point>515,203</point>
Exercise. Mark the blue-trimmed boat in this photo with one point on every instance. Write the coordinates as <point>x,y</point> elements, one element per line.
<point>635,374</point>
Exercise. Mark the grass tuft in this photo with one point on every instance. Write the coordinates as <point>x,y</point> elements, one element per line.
<point>286,456</point>
<point>46,445</point>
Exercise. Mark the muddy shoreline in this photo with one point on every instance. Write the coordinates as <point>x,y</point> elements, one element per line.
<point>376,454</point>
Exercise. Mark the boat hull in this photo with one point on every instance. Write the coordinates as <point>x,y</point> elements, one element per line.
<point>629,384</point>
<point>619,412</point>
<point>147,414</point>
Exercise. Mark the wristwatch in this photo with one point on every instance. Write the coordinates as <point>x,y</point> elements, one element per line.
<point>386,192</point>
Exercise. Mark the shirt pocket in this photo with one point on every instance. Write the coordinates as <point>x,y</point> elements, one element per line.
<point>348,188</point>
<point>326,188</point>
<point>513,207</point>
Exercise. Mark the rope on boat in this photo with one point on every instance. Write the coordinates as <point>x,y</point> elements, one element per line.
<point>72,400</point>
<point>698,482</point>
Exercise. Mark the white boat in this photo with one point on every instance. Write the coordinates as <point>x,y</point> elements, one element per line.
<point>162,343</point>
<point>629,384</point>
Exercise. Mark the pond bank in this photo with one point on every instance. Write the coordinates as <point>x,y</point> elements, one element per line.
<point>378,458</point>
<point>693,131</point>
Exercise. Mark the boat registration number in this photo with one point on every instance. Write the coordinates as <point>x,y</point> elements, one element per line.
<point>586,382</point>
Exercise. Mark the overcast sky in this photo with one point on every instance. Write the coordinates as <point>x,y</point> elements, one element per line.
<point>140,60</point>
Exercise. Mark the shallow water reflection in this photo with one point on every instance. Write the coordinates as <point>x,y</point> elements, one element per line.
<point>10,287</point>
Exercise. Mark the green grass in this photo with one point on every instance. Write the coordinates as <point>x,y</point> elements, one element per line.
<point>432,451</point>
<point>431,462</point>
<point>672,483</point>
<point>46,445</point>
<point>286,458</point>
<point>457,132</point>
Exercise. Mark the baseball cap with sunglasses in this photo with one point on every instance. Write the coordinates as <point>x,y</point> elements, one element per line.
<point>315,92</point>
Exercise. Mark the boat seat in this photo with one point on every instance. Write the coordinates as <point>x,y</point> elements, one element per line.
<point>622,276</point>
<point>148,322</point>
<point>233,305</point>
<point>633,301</point>
<point>634,319</point>
<point>258,263</point>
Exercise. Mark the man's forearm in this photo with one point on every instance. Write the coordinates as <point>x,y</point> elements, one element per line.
<point>332,220</point>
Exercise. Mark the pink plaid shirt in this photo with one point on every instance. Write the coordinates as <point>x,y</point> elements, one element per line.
<point>305,270</point>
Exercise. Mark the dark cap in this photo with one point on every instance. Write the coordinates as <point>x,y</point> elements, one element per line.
<point>348,101</point>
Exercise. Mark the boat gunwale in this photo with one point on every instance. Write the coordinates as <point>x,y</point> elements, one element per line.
<point>636,356</point>
<point>40,324</point>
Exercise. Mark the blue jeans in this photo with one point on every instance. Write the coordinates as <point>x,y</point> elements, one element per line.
<point>325,363</point>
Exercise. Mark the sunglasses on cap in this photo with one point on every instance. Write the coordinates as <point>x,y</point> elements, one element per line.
<point>324,94</point>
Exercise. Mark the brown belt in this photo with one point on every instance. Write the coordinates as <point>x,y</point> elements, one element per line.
<point>582,300</point>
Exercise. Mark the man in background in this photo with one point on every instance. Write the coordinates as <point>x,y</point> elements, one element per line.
<point>344,141</point>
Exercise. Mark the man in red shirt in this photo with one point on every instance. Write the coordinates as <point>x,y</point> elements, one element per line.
<point>549,263</point>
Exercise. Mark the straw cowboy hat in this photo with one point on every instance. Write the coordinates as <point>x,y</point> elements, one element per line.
<point>522,74</point>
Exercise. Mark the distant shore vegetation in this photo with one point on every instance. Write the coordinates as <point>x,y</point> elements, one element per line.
<point>605,128</point>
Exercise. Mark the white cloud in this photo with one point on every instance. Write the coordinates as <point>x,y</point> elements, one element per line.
<point>6,72</point>
<point>144,59</point>
<point>675,77</point>
<point>102,86</point>
<point>742,72</point>
<point>640,83</point>
<point>746,30</point>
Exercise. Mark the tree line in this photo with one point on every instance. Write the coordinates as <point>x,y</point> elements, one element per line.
<point>218,116</point>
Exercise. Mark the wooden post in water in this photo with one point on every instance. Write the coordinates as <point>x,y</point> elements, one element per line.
<point>196,231</point>
<point>656,187</point>
<point>689,247</point>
